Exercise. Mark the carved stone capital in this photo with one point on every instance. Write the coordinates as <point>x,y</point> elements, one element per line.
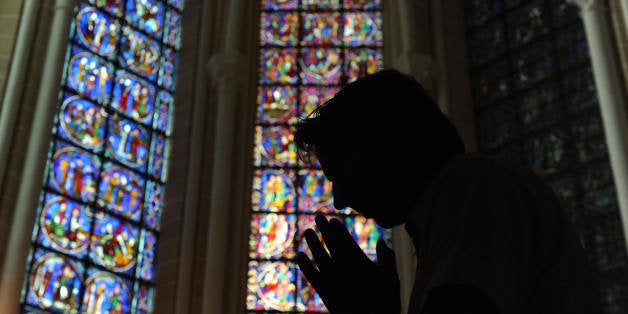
<point>227,71</point>
<point>586,5</point>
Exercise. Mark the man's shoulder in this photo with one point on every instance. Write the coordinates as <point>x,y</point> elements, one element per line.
<point>482,165</point>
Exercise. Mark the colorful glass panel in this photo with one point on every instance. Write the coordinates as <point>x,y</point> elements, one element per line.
<point>272,235</point>
<point>172,36</point>
<point>90,75</point>
<point>275,146</point>
<point>157,164</point>
<point>362,4</point>
<point>64,225</point>
<point>82,122</point>
<point>362,62</point>
<point>96,30</point>
<point>321,29</point>
<point>163,112</point>
<point>106,293</point>
<point>271,286</point>
<point>153,204</point>
<point>139,53</point>
<point>320,66</point>
<point>309,50</point>
<point>366,233</point>
<point>280,4</point>
<point>97,229</point>
<point>112,7</point>
<point>273,191</point>
<point>277,104</point>
<point>133,97</point>
<point>73,172</point>
<point>146,15</point>
<point>167,69</point>
<point>281,29</point>
<point>362,29</point>
<point>312,97</point>
<point>54,282</point>
<point>307,298</point>
<point>114,243</point>
<point>320,4</point>
<point>120,190</point>
<point>527,23</point>
<point>148,246</point>
<point>143,299</point>
<point>128,142</point>
<point>314,192</point>
<point>278,66</point>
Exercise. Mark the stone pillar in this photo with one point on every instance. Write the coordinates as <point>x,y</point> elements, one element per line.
<point>30,186</point>
<point>226,74</point>
<point>612,97</point>
<point>16,76</point>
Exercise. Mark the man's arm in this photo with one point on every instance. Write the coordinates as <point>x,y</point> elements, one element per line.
<point>458,299</point>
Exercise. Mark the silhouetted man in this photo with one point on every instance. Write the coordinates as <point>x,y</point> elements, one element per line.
<point>490,237</point>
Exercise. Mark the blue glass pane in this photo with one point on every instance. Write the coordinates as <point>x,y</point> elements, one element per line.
<point>114,243</point>
<point>81,122</point>
<point>163,112</point>
<point>121,190</point>
<point>133,97</point>
<point>158,157</point>
<point>147,258</point>
<point>153,204</point>
<point>97,30</point>
<point>139,53</point>
<point>127,142</point>
<point>143,298</point>
<point>89,75</point>
<point>479,11</point>
<point>147,15</point>
<point>106,293</point>
<point>54,282</point>
<point>273,191</point>
<point>168,68</point>
<point>73,172</point>
<point>64,225</point>
<point>172,36</point>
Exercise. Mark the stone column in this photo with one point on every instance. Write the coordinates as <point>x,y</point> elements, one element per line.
<point>226,74</point>
<point>611,95</point>
<point>16,76</point>
<point>30,186</point>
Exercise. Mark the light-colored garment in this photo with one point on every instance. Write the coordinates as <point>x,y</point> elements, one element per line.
<point>499,228</point>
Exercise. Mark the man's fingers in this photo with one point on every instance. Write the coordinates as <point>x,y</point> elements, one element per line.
<point>344,244</point>
<point>309,271</point>
<point>318,251</point>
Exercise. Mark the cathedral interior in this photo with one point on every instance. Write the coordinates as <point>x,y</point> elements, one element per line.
<point>148,162</point>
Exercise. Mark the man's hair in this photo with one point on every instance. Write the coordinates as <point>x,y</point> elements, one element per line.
<point>385,106</point>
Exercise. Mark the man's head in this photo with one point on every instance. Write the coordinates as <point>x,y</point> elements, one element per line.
<point>380,140</point>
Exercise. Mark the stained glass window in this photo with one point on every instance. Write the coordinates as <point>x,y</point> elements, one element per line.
<point>309,50</point>
<point>96,235</point>
<point>536,104</point>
